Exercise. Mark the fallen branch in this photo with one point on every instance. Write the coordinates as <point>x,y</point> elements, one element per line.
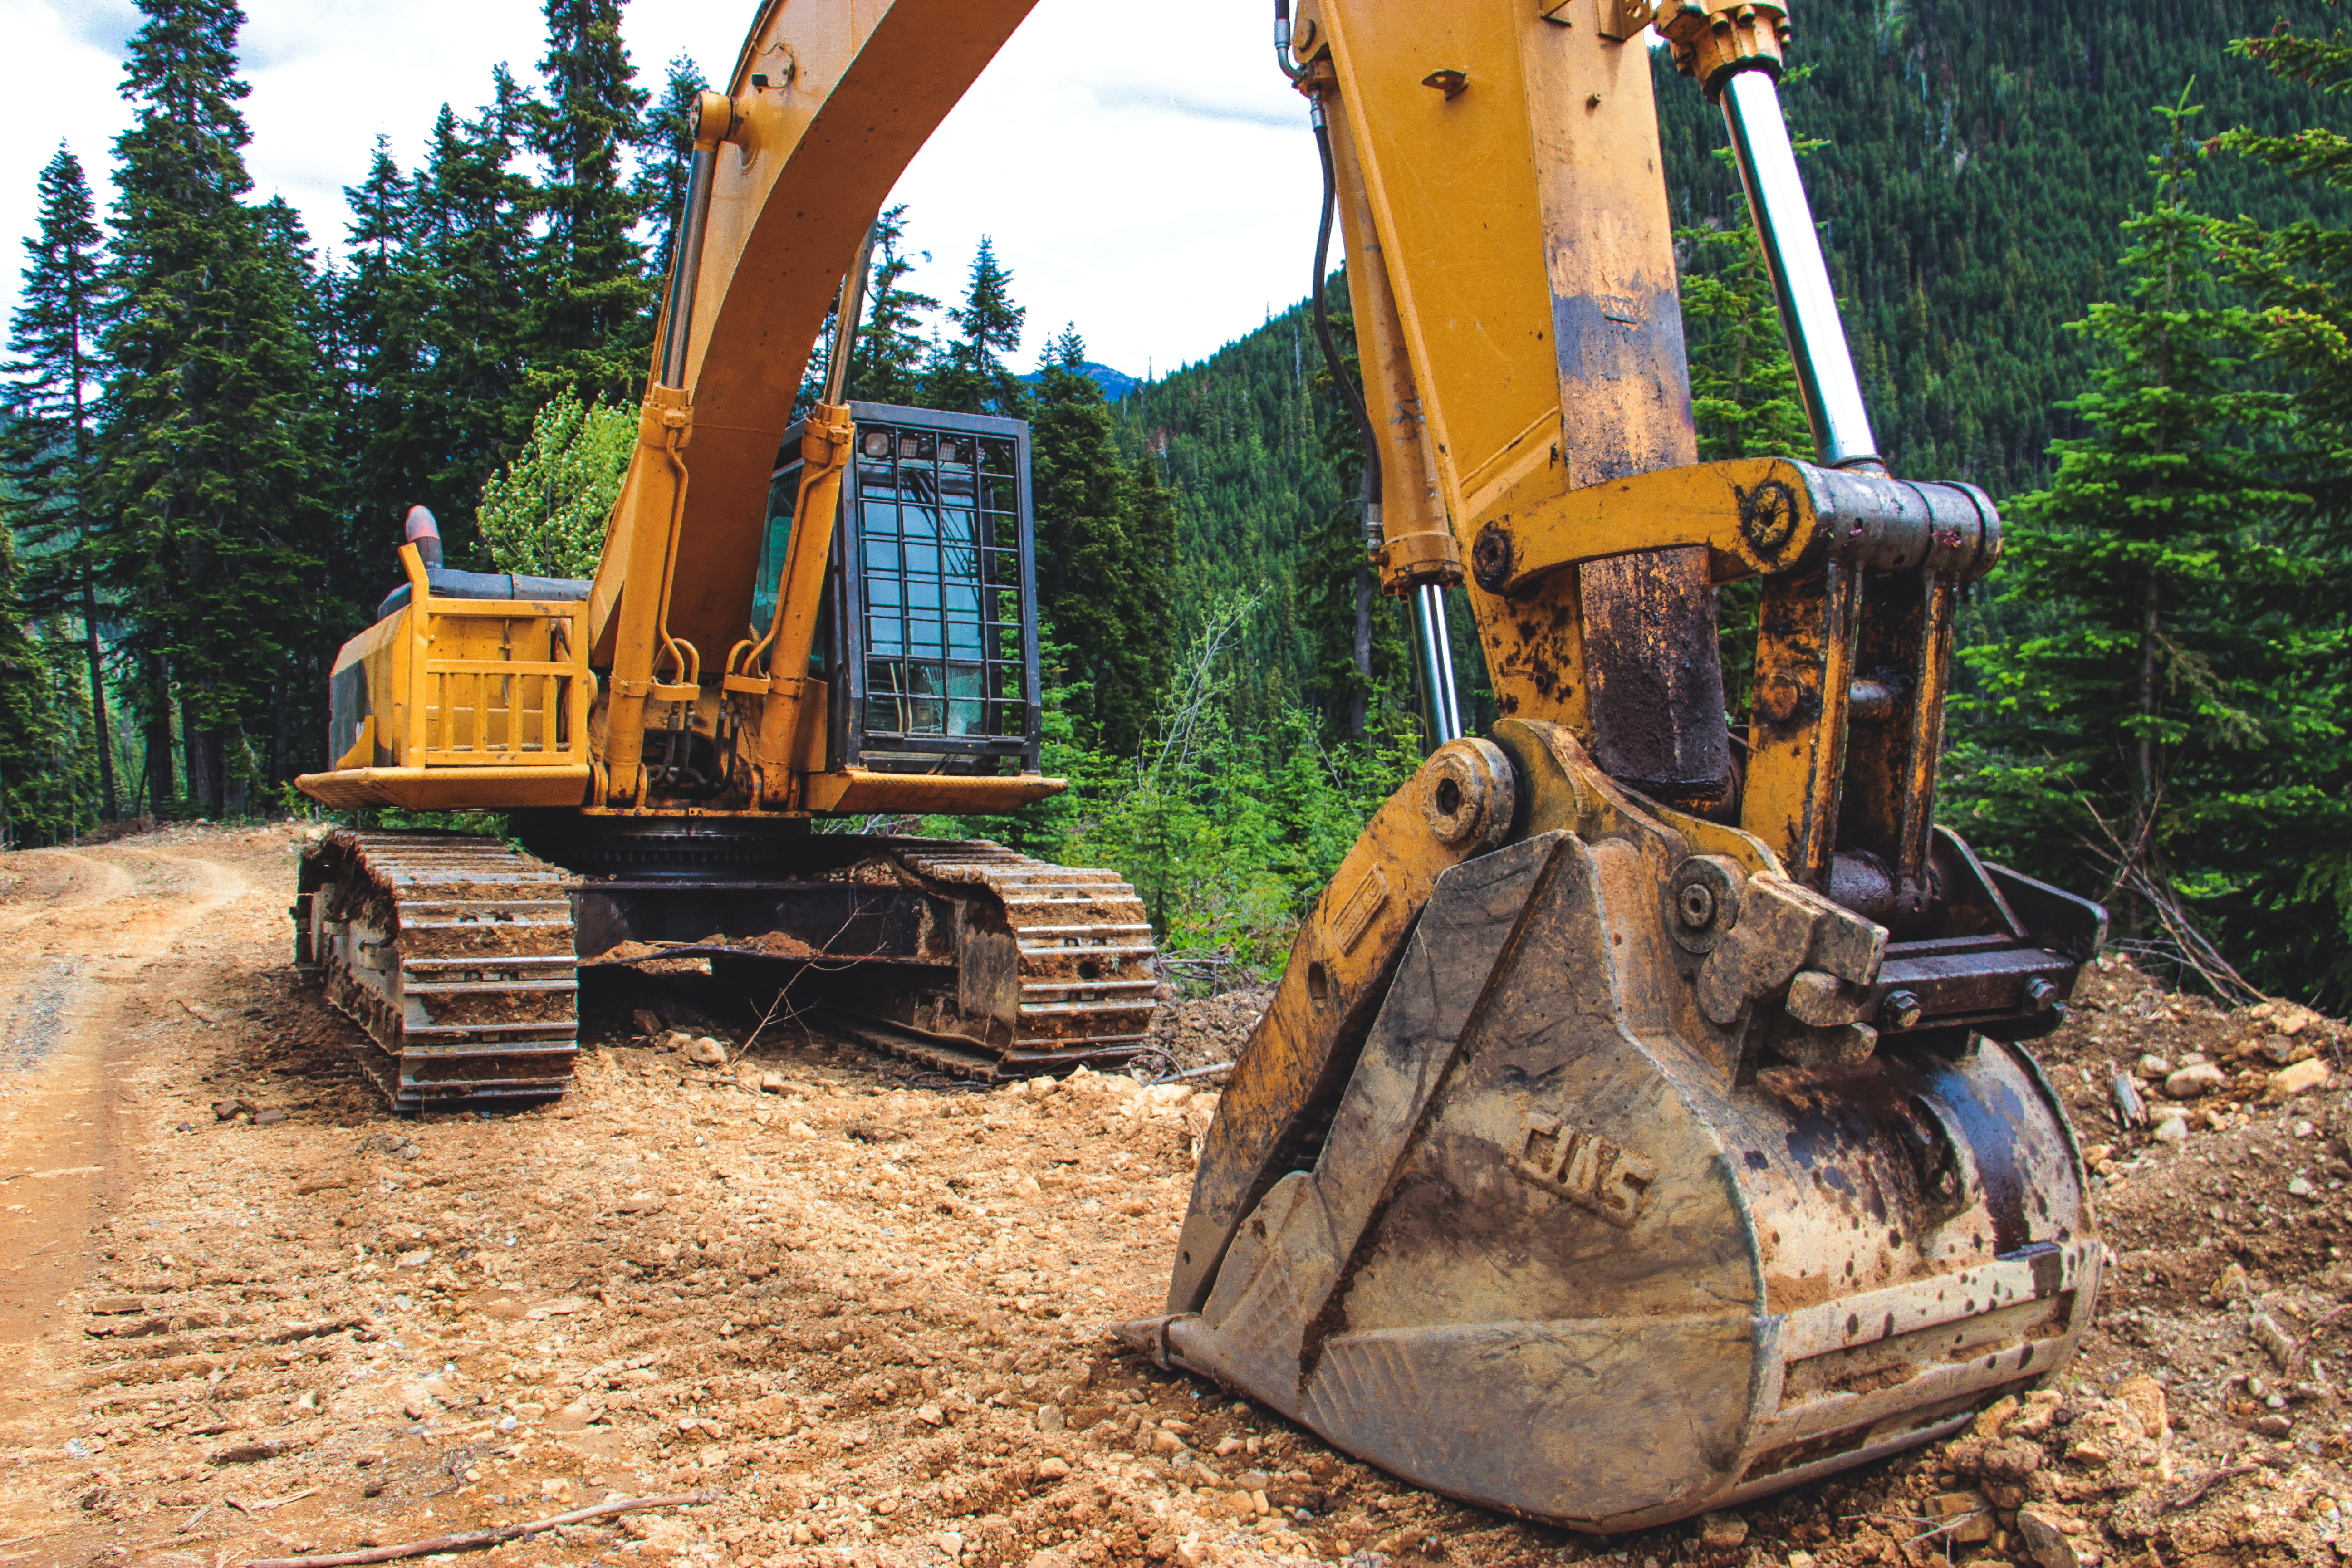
<point>2200,1487</point>
<point>496,1535</point>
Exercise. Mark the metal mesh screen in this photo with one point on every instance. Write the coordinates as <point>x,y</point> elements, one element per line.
<point>937,521</point>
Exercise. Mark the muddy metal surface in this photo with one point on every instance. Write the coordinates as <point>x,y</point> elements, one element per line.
<point>875,1319</point>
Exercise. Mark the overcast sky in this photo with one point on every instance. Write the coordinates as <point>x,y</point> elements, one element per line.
<point>1144,170</point>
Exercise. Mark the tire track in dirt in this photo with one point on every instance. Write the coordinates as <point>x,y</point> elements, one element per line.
<point>60,1049</point>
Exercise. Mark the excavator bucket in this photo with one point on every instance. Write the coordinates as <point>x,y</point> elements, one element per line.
<point>1536,1188</point>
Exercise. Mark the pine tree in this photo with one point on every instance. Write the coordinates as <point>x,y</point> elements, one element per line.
<point>592,328</point>
<point>47,448</point>
<point>886,364</point>
<point>471,412</point>
<point>1094,578</point>
<point>381,305</point>
<point>661,180</point>
<point>2300,272</point>
<point>44,730</point>
<point>2157,739</point>
<point>971,376</point>
<point>213,441</point>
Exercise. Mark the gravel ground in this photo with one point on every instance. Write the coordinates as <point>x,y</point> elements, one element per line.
<point>871,1322</point>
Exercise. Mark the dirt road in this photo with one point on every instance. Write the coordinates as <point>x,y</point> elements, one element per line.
<point>244,1312</point>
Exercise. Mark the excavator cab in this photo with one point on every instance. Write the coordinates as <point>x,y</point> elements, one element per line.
<point>927,635</point>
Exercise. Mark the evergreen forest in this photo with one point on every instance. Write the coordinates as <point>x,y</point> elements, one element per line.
<point>2098,262</point>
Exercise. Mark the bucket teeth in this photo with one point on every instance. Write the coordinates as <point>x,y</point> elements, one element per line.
<point>454,956</point>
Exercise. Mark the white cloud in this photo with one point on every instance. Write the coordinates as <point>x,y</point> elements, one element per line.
<point>1143,170</point>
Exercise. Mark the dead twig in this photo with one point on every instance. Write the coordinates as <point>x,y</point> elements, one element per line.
<point>2200,1487</point>
<point>475,1540</point>
<point>194,1520</point>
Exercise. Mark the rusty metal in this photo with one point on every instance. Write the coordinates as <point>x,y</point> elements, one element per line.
<point>453,955</point>
<point>1587,1225</point>
<point>963,956</point>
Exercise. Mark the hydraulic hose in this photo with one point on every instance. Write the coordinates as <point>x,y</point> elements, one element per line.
<point>1329,341</point>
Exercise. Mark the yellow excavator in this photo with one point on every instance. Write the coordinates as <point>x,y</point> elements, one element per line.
<point>1642,1122</point>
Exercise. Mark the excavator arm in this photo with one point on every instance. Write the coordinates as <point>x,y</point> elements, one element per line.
<point>1641,1124</point>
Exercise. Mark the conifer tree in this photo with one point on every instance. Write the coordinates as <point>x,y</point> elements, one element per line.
<point>2170,722</point>
<point>1105,539</point>
<point>591,330</point>
<point>971,376</point>
<point>1361,658</point>
<point>46,449</point>
<point>471,412</point>
<point>2300,272</point>
<point>212,445</point>
<point>382,303</point>
<point>661,181</point>
<point>44,725</point>
<point>886,364</point>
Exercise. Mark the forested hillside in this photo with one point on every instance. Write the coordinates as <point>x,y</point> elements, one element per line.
<point>1974,161</point>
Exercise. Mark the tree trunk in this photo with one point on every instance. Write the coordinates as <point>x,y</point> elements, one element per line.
<point>159,738</point>
<point>98,696</point>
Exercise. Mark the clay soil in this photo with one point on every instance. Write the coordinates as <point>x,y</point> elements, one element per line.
<point>246,1314</point>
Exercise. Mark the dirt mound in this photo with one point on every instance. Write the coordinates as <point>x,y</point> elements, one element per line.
<point>1201,1031</point>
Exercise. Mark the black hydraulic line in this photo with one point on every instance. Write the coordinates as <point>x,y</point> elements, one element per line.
<point>1329,341</point>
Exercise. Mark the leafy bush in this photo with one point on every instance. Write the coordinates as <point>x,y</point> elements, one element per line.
<point>543,514</point>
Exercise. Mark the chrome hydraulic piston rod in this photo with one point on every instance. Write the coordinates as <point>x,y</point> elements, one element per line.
<point>1800,278</point>
<point>1434,647</point>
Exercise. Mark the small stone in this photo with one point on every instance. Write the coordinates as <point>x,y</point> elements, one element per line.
<point>1053,1469</point>
<point>799,1130</point>
<point>2088,1452</point>
<point>2276,1342</point>
<point>1167,1442</point>
<point>228,1110</point>
<point>2171,1130</point>
<point>2296,1079</point>
<point>706,1052</point>
<point>2153,1066</point>
<point>1049,1419</point>
<point>2098,1153</point>
<point>2300,1188</point>
<point>573,1418</point>
<point>2144,1397</point>
<point>2273,1425</point>
<point>2190,1083</point>
<point>776,1083</point>
<point>2302,1129</point>
<point>648,1022</point>
<point>2231,1284</point>
<point>1228,1447</point>
<point>930,1415</point>
<point>268,1118</point>
<point>951,1541</point>
<point>1721,1532</point>
<point>1994,1417</point>
<point>1802,1560</point>
<point>1970,1513</point>
<point>2045,1541</point>
<point>117,1305</point>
